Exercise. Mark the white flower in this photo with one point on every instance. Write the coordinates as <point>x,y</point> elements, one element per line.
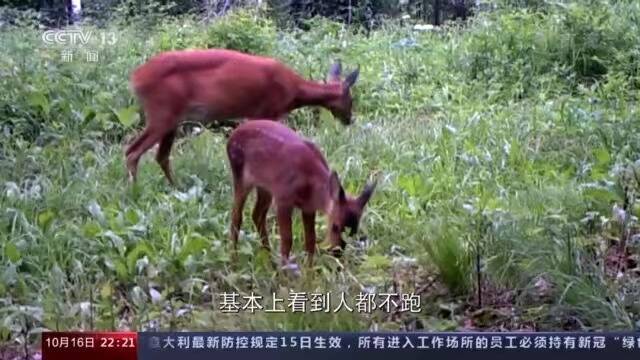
<point>155,295</point>
<point>424,27</point>
<point>619,214</point>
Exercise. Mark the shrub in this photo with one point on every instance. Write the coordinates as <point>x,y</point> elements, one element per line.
<point>243,30</point>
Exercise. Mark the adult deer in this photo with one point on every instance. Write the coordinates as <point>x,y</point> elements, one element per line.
<point>221,85</point>
<point>290,171</point>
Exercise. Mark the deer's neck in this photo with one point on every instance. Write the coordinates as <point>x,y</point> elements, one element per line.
<point>316,94</point>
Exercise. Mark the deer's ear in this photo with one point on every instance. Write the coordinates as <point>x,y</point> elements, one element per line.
<point>364,197</point>
<point>335,71</point>
<point>352,78</point>
<point>335,188</point>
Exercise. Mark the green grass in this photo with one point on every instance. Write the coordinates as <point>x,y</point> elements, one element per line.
<point>500,137</point>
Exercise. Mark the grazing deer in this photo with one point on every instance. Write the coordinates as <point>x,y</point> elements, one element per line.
<point>221,85</point>
<point>291,171</point>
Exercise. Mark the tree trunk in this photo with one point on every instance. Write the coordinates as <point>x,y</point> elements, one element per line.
<point>436,12</point>
<point>68,7</point>
<point>460,9</point>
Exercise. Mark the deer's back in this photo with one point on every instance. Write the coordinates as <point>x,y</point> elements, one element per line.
<point>222,83</point>
<point>276,158</point>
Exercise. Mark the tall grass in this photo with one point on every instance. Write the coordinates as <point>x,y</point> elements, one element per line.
<point>502,142</point>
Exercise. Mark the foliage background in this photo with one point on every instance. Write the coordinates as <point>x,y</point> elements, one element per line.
<point>507,146</point>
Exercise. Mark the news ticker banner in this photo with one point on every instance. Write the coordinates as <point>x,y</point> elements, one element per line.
<point>337,346</point>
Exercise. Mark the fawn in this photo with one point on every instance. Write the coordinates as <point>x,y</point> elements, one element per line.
<point>291,171</point>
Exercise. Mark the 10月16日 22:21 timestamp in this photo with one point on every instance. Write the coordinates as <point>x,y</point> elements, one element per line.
<point>89,342</point>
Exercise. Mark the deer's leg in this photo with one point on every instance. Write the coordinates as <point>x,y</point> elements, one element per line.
<point>136,142</point>
<point>161,121</point>
<point>162,156</point>
<point>309,222</point>
<point>149,137</point>
<point>240,191</point>
<point>132,164</point>
<point>239,198</point>
<point>260,211</point>
<point>284,223</point>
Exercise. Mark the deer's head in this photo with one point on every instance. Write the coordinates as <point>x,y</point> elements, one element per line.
<point>341,107</point>
<point>345,212</point>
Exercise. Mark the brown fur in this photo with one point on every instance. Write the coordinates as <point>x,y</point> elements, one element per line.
<point>221,85</point>
<point>291,171</point>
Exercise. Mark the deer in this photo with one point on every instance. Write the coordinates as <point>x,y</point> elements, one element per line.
<point>290,172</point>
<point>223,84</point>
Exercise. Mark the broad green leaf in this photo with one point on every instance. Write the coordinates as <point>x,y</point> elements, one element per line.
<point>263,260</point>
<point>136,253</point>
<point>106,291</point>
<point>376,262</point>
<point>121,270</point>
<point>132,216</point>
<point>325,116</point>
<point>89,114</point>
<point>602,156</point>
<point>38,99</point>
<point>45,218</point>
<point>410,184</point>
<point>193,246</point>
<point>128,116</point>
<point>5,334</point>
<point>91,229</point>
<point>12,252</point>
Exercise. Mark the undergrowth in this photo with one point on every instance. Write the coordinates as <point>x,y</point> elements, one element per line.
<point>502,147</point>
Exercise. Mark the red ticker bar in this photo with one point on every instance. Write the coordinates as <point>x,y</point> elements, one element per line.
<point>89,345</point>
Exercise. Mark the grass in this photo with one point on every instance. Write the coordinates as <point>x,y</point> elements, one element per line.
<point>506,141</point>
